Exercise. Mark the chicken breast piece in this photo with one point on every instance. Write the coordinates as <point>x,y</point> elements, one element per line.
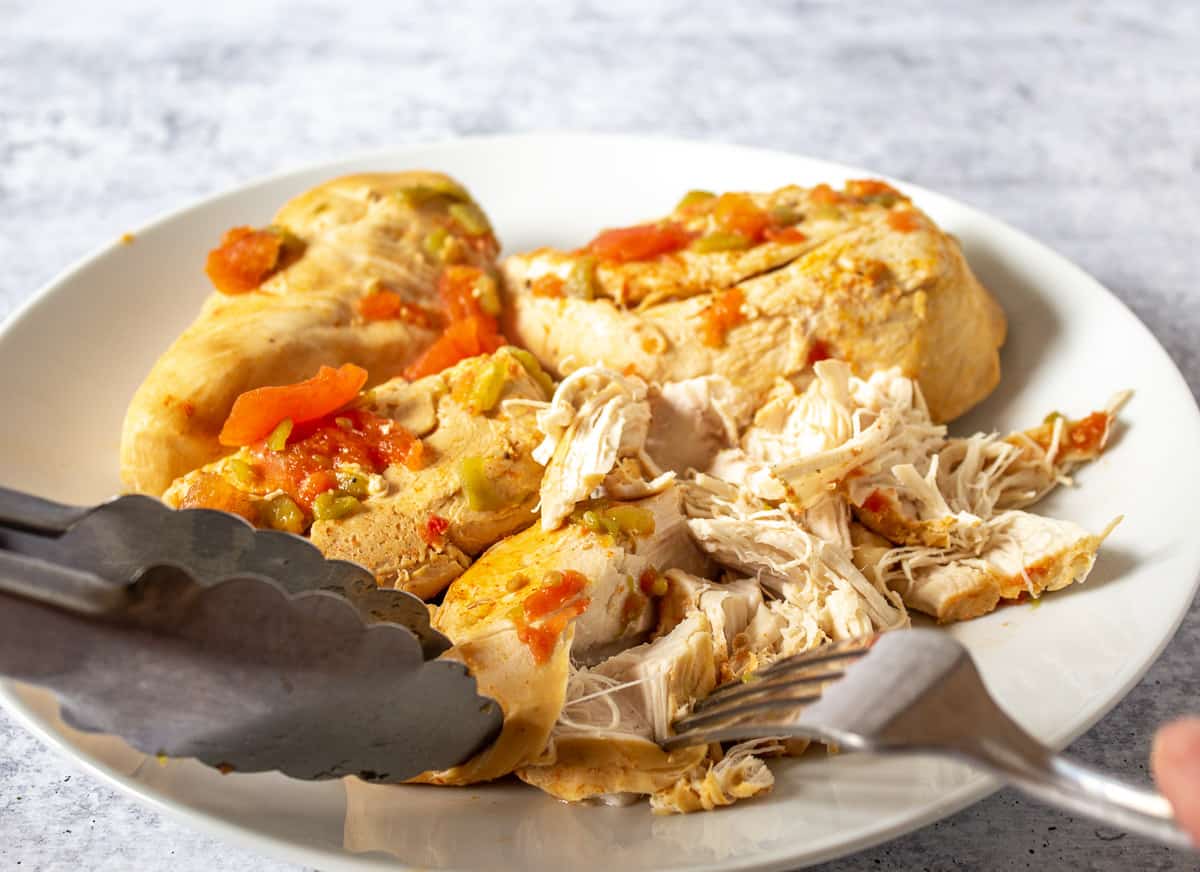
<point>605,743</point>
<point>1025,555</point>
<point>418,528</point>
<point>347,239</point>
<point>873,281</point>
<point>424,531</point>
<point>539,598</point>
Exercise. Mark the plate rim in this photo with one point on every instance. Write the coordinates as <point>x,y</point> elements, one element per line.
<point>977,788</point>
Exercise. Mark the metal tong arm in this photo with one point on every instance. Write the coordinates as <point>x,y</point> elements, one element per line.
<point>73,590</point>
<point>22,511</point>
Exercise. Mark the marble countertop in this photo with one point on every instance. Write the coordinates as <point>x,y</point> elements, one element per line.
<point>1074,121</point>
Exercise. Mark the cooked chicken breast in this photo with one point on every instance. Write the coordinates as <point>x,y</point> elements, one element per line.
<point>538,599</point>
<point>418,528</point>
<point>605,744</point>
<point>334,246</point>
<point>946,507</point>
<point>859,275</point>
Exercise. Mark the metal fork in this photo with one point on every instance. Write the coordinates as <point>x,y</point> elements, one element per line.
<point>916,691</point>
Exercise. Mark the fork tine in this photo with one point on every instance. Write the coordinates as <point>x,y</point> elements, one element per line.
<point>700,720</point>
<point>734,692</point>
<point>735,733</point>
<point>849,650</point>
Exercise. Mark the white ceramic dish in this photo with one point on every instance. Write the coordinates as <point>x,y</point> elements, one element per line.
<point>73,356</point>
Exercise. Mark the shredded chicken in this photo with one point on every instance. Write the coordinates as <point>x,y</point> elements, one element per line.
<point>831,512</point>
<point>595,429</point>
<point>738,774</point>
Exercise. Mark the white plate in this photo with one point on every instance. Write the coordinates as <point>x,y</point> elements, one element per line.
<point>73,357</point>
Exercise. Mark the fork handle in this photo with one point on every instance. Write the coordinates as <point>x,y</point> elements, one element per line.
<point>1062,782</point>
<point>22,511</point>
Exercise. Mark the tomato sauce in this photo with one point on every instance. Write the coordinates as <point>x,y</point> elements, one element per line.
<point>305,468</point>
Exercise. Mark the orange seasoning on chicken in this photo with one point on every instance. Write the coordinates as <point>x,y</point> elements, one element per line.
<point>719,318</point>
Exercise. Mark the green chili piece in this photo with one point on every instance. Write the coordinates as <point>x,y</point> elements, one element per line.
<point>282,513</point>
<point>420,194</point>
<point>435,242</point>
<point>632,519</point>
<point>581,281</point>
<point>290,245</point>
<point>354,483</point>
<point>489,384</point>
<point>784,215</point>
<point>277,441</point>
<point>591,520</point>
<point>527,360</point>
<point>487,292</point>
<point>334,505</point>
<point>694,198</point>
<point>244,475</point>
<point>886,199</point>
<point>453,251</point>
<point>721,240</point>
<point>476,486</point>
<point>471,218</point>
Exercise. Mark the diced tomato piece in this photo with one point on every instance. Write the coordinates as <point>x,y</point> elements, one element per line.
<point>386,305</point>
<point>458,290</point>
<point>313,485</point>
<point>256,413</point>
<point>433,532</point>
<point>553,608</point>
<point>784,235</point>
<point>825,195</point>
<point>641,242</point>
<point>1089,434</point>
<point>737,213</point>
<point>468,337</point>
<point>208,490</point>
<point>871,188</point>
<point>876,502</point>
<point>904,221</point>
<point>243,260</point>
<point>548,285</point>
<point>724,313</point>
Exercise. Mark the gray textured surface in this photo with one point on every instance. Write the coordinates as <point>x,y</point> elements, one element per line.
<point>1075,122</point>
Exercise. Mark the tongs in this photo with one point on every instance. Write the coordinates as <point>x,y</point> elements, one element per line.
<point>191,634</point>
